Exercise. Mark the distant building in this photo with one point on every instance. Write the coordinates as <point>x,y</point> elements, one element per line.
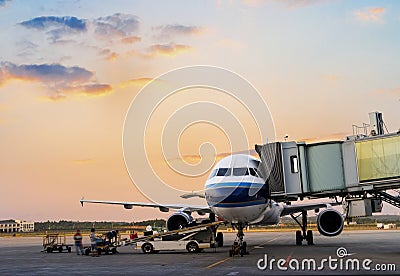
<point>11,225</point>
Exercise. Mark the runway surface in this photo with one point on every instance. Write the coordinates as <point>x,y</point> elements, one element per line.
<point>371,250</point>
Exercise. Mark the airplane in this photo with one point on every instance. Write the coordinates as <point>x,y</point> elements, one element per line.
<point>238,193</point>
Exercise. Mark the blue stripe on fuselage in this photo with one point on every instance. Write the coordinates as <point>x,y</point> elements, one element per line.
<point>235,184</point>
<point>236,194</point>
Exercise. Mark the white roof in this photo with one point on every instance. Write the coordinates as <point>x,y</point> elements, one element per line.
<point>238,161</point>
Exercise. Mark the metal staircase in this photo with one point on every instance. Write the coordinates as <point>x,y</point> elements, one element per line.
<point>393,200</point>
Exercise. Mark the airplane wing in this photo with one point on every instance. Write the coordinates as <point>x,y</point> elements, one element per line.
<point>162,207</point>
<point>291,209</point>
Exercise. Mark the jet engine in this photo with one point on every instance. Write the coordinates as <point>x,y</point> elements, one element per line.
<point>178,221</point>
<point>330,222</point>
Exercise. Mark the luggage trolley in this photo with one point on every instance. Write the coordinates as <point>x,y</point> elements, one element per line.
<point>55,243</point>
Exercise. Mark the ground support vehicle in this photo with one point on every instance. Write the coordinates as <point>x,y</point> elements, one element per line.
<point>55,243</point>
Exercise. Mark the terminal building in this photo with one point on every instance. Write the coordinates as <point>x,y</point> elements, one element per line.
<point>11,226</point>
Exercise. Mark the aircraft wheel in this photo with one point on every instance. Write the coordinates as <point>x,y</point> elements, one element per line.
<point>299,238</point>
<point>310,238</point>
<point>243,249</point>
<point>147,248</point>
<point>49,249</point>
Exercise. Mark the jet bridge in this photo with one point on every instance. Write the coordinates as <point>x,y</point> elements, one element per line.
<point>365,165</point>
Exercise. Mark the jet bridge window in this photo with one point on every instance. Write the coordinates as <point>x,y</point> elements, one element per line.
<point>294,166</point>
<point>240,171</point>
<point>224,171</point>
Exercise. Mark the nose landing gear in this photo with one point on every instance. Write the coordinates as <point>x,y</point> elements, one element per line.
<point>239,246</point>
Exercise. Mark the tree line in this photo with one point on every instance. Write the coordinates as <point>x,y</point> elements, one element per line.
<point>73,225</point>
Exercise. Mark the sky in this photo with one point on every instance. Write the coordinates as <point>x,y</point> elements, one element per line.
<point>69,71</point>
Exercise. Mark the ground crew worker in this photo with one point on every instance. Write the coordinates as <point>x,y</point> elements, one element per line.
<point>133,235</point>
<point>93,242</point>
<point>78,242</point>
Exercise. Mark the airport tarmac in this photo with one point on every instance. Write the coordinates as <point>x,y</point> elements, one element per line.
<point>371,250</point>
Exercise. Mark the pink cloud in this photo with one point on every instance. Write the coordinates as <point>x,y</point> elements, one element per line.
<point>171,49</point>
<point>60,80</point>
<point>373,14</point>
<point>131,39</point>
<point>135,82</point>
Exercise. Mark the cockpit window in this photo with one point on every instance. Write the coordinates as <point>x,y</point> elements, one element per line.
<point>253,172</point>
<point>224,171</point>
<point>213,173</point>
<point>240,171</point>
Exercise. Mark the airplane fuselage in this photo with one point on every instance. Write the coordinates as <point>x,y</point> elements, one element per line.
<point>236,192</point>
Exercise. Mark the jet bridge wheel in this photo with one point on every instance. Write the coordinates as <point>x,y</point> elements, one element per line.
<point>147,248</point>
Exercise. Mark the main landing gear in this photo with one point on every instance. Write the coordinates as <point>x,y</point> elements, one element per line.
<point>304,234</point>
<point>239,246</point>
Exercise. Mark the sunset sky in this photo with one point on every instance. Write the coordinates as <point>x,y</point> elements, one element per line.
<point>70,69</point>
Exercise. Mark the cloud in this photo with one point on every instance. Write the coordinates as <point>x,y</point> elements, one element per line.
<point>96,89</point>
<point>171,49</point>
<point>59,79</point>
<point>286,3</point>
<point>44,73</point>
<point>110,32</point>
<point>4,2</point>
<point>131,39</point>
<point>118,25</point>
<point>92,90</point>
<point>168,31</point>
<point>135,82</point>
<point>108,54</point>
<point>373,14</point>
<point>45,22</point>
<point>56,26</point>
<point>26,48</point>
<point>301,3</point>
